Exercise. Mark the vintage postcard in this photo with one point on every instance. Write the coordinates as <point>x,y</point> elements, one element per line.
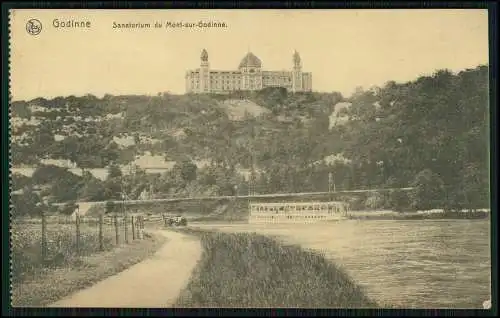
<point>250,158</point>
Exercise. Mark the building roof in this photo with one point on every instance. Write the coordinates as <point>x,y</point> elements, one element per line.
<point>250,60</point>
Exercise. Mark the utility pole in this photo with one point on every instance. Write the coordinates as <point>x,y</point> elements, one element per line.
<point>124,212</point>
<point>235,199</point>
<point>77,223</point>
<point>252,163</point>
<point>252,179</point>
<point>331,185</point>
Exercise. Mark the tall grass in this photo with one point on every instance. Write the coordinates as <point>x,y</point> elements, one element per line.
<point>62,250</point>
<point>250,270</point>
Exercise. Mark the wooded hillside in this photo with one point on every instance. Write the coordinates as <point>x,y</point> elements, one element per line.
<point>433,129</point>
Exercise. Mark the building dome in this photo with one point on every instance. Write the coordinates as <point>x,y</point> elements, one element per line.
<point>250,60</point>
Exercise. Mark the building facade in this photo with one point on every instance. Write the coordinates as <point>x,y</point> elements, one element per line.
<point>248,77</point>
<point>297,212</point>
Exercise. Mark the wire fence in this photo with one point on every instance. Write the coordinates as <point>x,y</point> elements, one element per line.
<point>48,238</point>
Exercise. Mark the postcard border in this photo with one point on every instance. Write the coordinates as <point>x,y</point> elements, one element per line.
<point>493,27</point>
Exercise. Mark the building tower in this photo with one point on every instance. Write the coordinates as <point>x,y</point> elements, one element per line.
<point>204,72</point>
<point>250,68</point>
<point>296,73</point>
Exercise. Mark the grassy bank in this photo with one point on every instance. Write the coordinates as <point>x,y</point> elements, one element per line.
<point>250,270</point>
<point>45,285</point>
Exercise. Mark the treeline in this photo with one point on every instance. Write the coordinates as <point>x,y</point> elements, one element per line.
<point>51,184</point>
<point>432,131</point>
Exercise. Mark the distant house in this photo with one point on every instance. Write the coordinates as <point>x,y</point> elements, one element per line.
<point>60,163</point>
<point>337,117</point>
<point>114,116</point>
<point>36,108</point>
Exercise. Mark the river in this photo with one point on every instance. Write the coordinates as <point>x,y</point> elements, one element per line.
<point>409,264</point>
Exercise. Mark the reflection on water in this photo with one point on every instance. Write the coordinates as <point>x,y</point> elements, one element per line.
<point>411,264</point>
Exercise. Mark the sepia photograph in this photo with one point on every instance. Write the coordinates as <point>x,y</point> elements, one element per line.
<point>250,158</point>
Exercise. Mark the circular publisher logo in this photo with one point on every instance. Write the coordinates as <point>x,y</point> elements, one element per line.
<point>34,26</point>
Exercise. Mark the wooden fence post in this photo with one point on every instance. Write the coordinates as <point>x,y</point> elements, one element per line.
<point>141,228</point>
<point>44,237</point>
<point>138,226</point>
<point>125,226</point>
<point>77,224</point>
<point>133,228</point>
<point>117,233</point>
<point>101,235</point>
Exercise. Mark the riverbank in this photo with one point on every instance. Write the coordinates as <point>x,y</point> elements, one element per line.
<point>52,284</point>
<point>420,215</point>
<point>251,270</point>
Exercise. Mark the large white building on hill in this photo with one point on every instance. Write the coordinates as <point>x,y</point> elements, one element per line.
<point>248,77</point>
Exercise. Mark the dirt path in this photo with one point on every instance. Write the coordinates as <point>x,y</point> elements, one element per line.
<point>155,282</point>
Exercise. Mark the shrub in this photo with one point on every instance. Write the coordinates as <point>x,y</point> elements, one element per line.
<point>374,201</point>
<point>399,200</point>
<point>26,203</point>
<point>110,207</point>
<point>428,192</point>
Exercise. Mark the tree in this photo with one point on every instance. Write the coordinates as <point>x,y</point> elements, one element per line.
<point>27,203</point>
<point>110,153</point>
<point>66,188</point>
<point>110,207</point>
<point>476,185</point>
<point>20,181</point>
<point>20,109</point>
<point>186,170</point>
<point>113,189</point>
<point>114,172</point>
<point>399,200</point>
<point>93,189</point>
<point>48,173</point>
<point>113,183</point>
<point>428,192</point>
<point>375,201</point>
<point>137,139</point>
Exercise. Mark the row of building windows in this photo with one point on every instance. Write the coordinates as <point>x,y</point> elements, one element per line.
<point>290,217</point>
<point>331,212</point>
<point>224,87</point>
<point>295,207</point>
<point>193,81</point>
<point>217,81</point>
<point>233,77</point>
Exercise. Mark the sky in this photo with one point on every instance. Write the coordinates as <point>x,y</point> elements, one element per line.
<point>343,49</point>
